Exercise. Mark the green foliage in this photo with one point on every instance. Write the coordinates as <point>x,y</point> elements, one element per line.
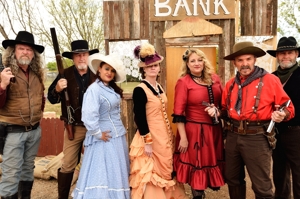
<point>288,15</point>
<point>51,66</point>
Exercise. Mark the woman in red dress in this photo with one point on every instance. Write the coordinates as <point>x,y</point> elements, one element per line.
<point>198,159</point>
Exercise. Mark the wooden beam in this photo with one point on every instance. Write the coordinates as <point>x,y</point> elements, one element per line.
<point>192,26</point>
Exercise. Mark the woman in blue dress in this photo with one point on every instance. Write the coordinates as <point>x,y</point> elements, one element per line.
<point>105,168</point>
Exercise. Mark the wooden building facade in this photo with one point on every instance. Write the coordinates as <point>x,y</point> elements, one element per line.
<point>126,20</point>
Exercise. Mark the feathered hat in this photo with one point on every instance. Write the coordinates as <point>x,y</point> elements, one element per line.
<point>147,55</point>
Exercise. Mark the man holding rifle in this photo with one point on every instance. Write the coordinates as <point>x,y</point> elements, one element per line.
<point>286,156</point>
<point>250,101</point>
<point>22,103</point>
<point>75,81</point>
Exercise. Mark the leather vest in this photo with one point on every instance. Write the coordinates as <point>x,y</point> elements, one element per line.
<point>23,104</point>
<point>73,92</point>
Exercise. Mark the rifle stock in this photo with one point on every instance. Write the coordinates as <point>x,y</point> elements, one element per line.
<point>68,124</point>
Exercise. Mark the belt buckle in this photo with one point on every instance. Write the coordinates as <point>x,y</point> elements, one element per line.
<point>242,131</point>
<point>241,128</point>
<point>28,128</point>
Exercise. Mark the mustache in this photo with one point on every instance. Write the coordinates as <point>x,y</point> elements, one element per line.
<point>245,67</point>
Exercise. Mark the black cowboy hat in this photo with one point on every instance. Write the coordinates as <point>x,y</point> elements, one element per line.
<point>79,46</point>
<point>243,48</point>
<point>285,43</point>
<point>23,37</point>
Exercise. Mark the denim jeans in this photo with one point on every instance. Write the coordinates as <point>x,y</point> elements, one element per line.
<point>18,160</point>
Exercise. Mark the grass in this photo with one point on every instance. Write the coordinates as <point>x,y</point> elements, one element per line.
<point>126,86</point>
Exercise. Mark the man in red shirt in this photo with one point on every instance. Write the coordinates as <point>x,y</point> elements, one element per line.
<point>250,101</point>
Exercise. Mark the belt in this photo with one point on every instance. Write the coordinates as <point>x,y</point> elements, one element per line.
<point>250,123</point>
<point>19,128</point>
<point>293,127</point>
<point>252,131</point>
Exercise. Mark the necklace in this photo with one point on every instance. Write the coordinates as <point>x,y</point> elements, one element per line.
<point>196,77</point>
<point>154,87</point>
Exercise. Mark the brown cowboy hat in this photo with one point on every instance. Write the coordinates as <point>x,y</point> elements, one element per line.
<point>243,48</point>
<point>79,46</point>
<point>23,37</point>
<point>285,43</point>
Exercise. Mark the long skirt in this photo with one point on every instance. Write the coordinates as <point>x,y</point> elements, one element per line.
<point>105,171</point>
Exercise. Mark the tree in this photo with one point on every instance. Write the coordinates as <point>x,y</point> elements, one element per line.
<point>288,15</point>
<point>72,19</point>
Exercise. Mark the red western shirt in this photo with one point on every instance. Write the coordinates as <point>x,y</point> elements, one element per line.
<point>272,94</point>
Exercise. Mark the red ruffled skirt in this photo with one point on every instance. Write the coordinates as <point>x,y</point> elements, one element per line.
<point>203,164</point>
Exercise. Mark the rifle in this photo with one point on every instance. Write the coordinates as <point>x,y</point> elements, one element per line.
<point>68,123</point>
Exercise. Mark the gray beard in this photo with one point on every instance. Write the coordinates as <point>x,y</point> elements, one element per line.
<point>285,66</point>
<point>82,67</point>
<point>24,61</point>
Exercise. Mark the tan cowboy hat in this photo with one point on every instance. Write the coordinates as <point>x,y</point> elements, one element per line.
<point>79,46</point>
<point>113,60</point>
<point>23,37</point>
<point>243,48</point>
<point>284,44</point>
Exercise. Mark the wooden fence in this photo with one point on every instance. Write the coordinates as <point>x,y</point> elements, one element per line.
<point>53,129</point>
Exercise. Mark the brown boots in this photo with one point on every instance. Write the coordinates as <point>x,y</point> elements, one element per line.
<point>25,189</point>
<point>237,192</point>
<point>64,183</point>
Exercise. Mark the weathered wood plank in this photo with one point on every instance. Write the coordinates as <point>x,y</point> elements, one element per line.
<point>117,15</point>
<point>106,19</point>
<point>126,20</point>
<point>190,41</point>
<point>136,22</point>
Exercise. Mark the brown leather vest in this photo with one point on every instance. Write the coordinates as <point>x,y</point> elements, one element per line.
<point>23,101</point>
<point>73,91</point>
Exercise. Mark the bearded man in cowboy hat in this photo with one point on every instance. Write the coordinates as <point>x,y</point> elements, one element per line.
<point>76,80</point>
<point>249,102</point>
<point>22,103</point>
<point>286,156</point>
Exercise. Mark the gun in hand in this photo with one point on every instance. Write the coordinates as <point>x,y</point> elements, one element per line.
<point>272,123</point>
<point>215,120</point>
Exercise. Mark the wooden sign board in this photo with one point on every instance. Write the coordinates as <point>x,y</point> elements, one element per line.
<point>164,10</point>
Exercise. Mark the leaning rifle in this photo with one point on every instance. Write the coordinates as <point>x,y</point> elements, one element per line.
<point>70,119</point>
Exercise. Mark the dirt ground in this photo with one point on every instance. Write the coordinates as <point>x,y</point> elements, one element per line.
<point>47,189</point>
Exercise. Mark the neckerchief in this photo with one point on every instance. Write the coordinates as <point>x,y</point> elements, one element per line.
<point>284,74</point>
<point>257,73</point>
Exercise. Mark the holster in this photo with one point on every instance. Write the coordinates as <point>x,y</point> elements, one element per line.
<point>3,134</point>
<point>271,137</point>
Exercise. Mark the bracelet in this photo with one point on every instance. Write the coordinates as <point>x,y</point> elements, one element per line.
<point>148,138</point>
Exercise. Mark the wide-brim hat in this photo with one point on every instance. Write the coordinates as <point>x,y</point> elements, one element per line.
<point>243,48</point>
<point>285,43</point>
<point>147,55</point>
<point>26,38</point>
<point>79,46</point>
<point>113,60</point>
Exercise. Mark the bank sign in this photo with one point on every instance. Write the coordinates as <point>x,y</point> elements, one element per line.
<point>163,10</point>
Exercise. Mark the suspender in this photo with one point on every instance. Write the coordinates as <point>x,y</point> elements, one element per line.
<point>258,94</point>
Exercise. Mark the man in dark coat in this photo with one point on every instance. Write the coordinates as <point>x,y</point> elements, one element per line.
<point>76,80</point>
<point>286,156</point>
